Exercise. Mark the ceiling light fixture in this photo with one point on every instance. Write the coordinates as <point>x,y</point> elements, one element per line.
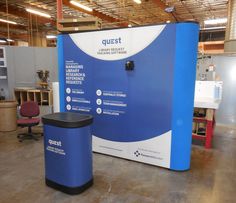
<point>129,25</point>
<point>215,21</point>
<point>37,12</point>
<point>170,9</point>
<point>2,41</point>
<point>214,28</point>
<point>168,21</point>
<point>51,36</point>
<point>7,21</point>
<point>137,1</point>
<point>10,40</point>
<point>75,3</point>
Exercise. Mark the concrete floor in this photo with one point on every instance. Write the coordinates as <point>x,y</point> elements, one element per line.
<point>212,177</point>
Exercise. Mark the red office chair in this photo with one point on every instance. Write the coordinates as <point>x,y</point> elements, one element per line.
<point>28,109</point>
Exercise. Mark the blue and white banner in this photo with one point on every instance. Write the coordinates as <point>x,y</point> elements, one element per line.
<point>134,110</point>
<point>116,44</point>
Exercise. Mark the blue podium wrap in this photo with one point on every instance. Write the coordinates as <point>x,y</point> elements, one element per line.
<point>68,155</point>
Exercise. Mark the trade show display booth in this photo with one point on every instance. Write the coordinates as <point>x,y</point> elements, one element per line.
<point>138,83</point>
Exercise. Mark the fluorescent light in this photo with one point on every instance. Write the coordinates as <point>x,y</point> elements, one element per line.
<point>170,9</point>
<point>75,3</point>
<point>215,21</point>
<point>38,13</point>
<point>168,21</point>
<point>214,28</point>
<point>10,40</point>
<point>129,25</point>
<point>51,36</point>
<point>2,41</point>
<point>137,1</point>
<point>7,21</point>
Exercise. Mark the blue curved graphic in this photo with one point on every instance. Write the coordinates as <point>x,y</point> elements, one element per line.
<point>148,89</point>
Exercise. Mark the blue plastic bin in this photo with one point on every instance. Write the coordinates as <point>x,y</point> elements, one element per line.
<point>68,151</point>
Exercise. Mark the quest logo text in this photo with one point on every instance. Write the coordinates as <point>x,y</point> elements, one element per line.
<point>106,42</point>
<point>54,142</point>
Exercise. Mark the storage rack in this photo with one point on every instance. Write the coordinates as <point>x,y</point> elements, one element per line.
<point>79,24</point>
<point>42,97</point>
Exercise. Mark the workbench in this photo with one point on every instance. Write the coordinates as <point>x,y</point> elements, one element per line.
<point>209,106</point>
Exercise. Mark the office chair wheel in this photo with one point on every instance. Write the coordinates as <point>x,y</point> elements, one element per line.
<point>27,136</point>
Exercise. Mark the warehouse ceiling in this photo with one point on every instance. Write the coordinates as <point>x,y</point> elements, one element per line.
<point>113,13</point>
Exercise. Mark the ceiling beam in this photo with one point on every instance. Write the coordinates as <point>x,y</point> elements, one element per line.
<point>17,26</point>
<point>97,14</point>
<point>14,36</point>
<point>24,14</point>
<point>162,6</point>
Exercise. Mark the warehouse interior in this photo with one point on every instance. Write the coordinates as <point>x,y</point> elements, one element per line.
<point>37,42</point>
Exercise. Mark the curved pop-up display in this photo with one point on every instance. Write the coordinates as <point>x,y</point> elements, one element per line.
<point>138,83</point>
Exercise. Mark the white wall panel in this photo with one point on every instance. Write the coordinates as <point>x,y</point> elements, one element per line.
<point>23,63</point>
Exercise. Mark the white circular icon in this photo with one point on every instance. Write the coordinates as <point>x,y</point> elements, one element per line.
<point>99,101</point>
<point>68,99</point>
<point>99,92</point>
<point>68,90</point>
<point>68,107</point>
<point>99,110</point>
